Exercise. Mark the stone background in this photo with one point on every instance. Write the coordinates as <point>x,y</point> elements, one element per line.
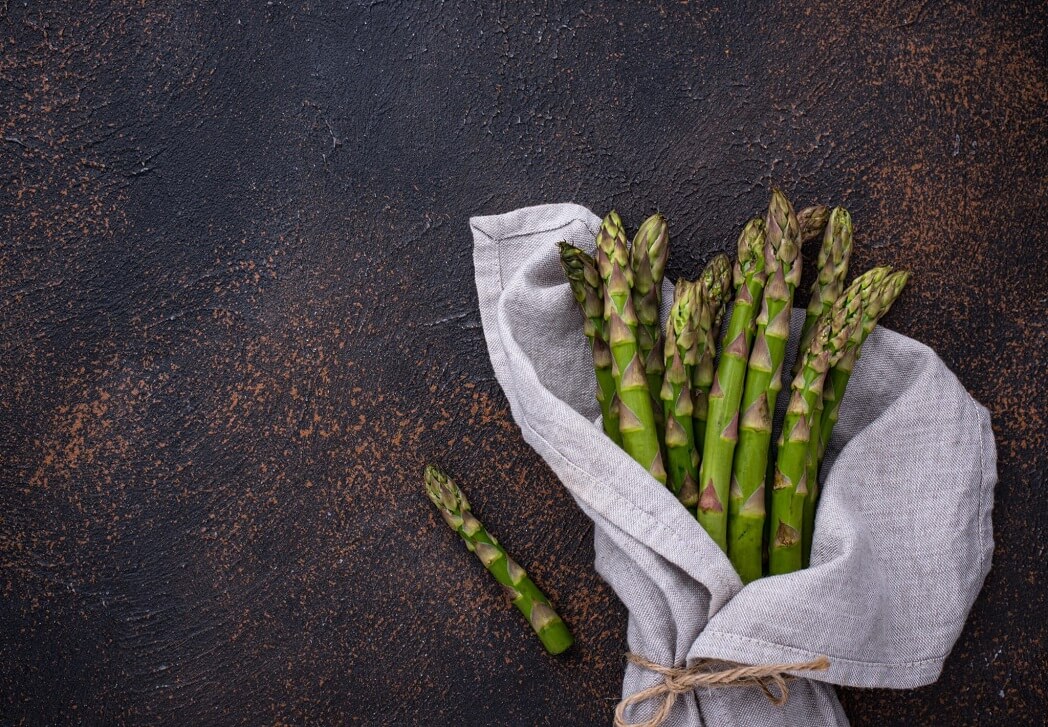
<point>238,315</point>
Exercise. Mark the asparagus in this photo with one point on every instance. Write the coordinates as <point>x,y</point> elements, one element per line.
<point>746,508</point>
<point>880,303</point>
<point>726,391</point>
<point>790,486</point>
<point>648,257</point>
<point>520,589</point>
<point>636,416</point>
<point>588,289</point>
<point>878,288</point>
<point>865,287</point>
<point>682,459</point>
<point>812,220</point>
<point>834,255</point>
<point>711,292</point>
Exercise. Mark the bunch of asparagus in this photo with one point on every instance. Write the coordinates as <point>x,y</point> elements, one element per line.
<point>703,425</point>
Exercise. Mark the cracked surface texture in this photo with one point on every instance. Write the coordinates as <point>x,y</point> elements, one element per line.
<point>238,316</point>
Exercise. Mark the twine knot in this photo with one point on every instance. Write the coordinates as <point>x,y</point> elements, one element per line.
<point>712,674</point>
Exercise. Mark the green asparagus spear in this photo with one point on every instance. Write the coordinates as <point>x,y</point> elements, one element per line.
<point>746,508</point>
<point>636,417</point>
<point>682,459</point>
<point>726,392</point>
<point>522,591</point>
<point>812,221</point>
<point>884,290</point>
<point>834,256</point>
<point>711,292</point>
<point>648,257</point>
<point>790,487</point>
<point>811,474</point>
<point>877,288</point>
<point>588,290</point>
<point>864,286</point>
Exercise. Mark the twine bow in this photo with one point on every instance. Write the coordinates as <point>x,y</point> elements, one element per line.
<point>712,674</point>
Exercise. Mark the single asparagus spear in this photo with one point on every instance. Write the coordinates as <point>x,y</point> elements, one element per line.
<point>522,591</point>
<point>790,486</point>
<point>834,256</point>
<point>722,421</point>
<point>648,256</point>
<point>682,459</point>
<point>711,292</point>
<point>636,417</point>
<point>746,508</point>
<point>812,221</point>
<point>885,288</point>
<point>588,290</point>
<point>878,288</point>
<point>864,286</point>
<point>811,475</point>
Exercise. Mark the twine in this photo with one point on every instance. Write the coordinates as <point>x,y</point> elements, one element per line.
<point>711,674</point>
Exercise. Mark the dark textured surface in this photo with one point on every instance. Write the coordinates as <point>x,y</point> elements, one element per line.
<point>238,315</point>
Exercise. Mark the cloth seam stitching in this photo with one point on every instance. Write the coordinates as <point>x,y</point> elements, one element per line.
<point>856,662</point>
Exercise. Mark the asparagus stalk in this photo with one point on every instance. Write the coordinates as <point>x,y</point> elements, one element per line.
<point>834,255</point>
<point>864,286</point>
<point>790,486</point>
<point>636,417</point>
<point>746,508</point>
<point>648,257</point>
<point>878,288</point>
<point>682,459</point>
<point>881,289</point>
<point>588,290</point>
<point>711,292</point>
<point>520,589</point>
<point>812,221</point>
<point>811,470</point>
<point>726,392</point>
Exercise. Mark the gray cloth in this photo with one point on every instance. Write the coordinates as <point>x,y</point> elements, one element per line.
<point>903,537</point>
